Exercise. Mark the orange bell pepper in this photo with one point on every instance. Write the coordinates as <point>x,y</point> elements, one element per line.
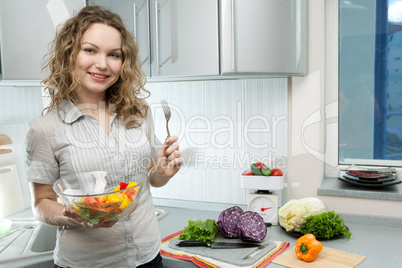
<point>308,248</point>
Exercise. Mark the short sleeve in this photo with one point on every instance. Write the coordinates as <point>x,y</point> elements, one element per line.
<point>42,165</point>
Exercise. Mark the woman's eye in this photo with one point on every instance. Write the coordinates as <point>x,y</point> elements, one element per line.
<point>115,55</point>
<point>89,50</point>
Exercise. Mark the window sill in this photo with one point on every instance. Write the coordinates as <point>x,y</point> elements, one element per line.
<point>335,187</point>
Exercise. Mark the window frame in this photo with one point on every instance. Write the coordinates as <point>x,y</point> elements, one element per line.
<point>332,166</point>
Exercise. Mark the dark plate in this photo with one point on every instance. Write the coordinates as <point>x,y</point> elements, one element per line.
<point>370,185</point>
<point>298,234</point>
<point>378,177</point>
<point>366,174</point>
<point>360,179</point>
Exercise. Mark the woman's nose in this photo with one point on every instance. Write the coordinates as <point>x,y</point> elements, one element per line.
<point>101,62</point>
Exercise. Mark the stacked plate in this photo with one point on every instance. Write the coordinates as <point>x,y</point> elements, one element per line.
<point>369,178</point>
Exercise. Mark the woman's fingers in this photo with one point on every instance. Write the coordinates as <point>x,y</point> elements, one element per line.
<point>85,223</point>
<point>176,162</point>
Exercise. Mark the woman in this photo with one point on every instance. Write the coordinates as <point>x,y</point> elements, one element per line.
<point>97,121</point>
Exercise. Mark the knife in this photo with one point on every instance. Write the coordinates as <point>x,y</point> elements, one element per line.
<point>216,245</point>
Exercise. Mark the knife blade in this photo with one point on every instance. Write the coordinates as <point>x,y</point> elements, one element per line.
<point>254,252</point>
<point>216,245</point>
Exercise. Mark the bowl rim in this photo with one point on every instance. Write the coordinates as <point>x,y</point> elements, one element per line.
<point>138,185</point>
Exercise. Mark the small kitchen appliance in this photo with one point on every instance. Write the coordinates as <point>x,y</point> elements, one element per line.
<point>264,203</point>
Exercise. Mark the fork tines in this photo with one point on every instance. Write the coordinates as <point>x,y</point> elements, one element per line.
<point>166,110</point>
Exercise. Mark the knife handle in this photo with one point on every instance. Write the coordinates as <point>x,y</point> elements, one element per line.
<point>192,243</point>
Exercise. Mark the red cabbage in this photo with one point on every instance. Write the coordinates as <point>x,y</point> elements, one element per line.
<point>251,227</point>
<point>227,222</point>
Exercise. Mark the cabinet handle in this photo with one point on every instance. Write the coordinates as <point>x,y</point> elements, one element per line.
<point>232,37</point>
<point>156,36</point>
<point>5,170</point>
<point>135,21</point>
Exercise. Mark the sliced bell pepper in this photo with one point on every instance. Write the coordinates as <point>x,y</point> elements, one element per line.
<point>126,201</point>
<point>117,188</point>
<point>114,198</point>
<point>123,185</point>
<point>131,184</point>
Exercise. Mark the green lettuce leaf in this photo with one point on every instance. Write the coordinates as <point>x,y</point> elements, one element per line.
<point>326,225</point>
<point>200,231</point>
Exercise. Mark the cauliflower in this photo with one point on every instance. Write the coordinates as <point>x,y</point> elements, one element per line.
<point>295,212</point>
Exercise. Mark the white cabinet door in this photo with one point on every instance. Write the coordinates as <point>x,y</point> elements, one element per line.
<point>135,15</point>
<point>263,37</point>
<point>26,29</point>
<point>184,38</point>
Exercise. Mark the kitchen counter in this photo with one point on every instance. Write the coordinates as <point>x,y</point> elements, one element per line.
<point>377,238</point>
<point>336,187</point>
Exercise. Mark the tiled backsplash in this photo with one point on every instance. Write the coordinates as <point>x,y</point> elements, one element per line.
<point>18,106</point>
<point>223,126</point>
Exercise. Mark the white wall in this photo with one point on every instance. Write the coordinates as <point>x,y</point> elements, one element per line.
<point>313,150</point>
<point>223,126</point>
<point>18,106</point>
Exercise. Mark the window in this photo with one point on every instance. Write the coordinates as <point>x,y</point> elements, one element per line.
<point>370,82</point>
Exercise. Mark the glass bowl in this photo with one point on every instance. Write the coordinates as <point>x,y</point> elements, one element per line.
<point>93,196</point>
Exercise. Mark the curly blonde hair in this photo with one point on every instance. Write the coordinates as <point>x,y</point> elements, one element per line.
<point>61,84</point>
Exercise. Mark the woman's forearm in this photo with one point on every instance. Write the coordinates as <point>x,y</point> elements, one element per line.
<point>156,179</point>
<point>51,212</point>
<point>46,209</point>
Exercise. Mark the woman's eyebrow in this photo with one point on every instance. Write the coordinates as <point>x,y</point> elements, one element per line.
<point>92,44</point>
<point>89,43</point>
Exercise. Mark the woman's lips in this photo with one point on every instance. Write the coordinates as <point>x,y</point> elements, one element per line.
<point>99,77</point>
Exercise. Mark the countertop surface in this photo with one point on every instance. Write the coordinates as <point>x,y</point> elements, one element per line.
<point>379,243</point>
<point>336,187</point>
<point>378,240</point>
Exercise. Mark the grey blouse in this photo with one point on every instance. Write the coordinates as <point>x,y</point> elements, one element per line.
<point>73,143</point>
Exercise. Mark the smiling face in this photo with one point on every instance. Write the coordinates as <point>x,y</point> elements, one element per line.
<point>99,61</point>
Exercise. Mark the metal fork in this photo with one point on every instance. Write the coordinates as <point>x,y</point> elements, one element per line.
<point>168,114</point>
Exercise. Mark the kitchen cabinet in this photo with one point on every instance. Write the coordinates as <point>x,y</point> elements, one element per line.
<point>175,37</point>
<point>26,29</point>
<point>184,38</point>
<point>262,37</point>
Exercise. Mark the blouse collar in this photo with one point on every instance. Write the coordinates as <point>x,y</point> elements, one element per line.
<point>71,113</point>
